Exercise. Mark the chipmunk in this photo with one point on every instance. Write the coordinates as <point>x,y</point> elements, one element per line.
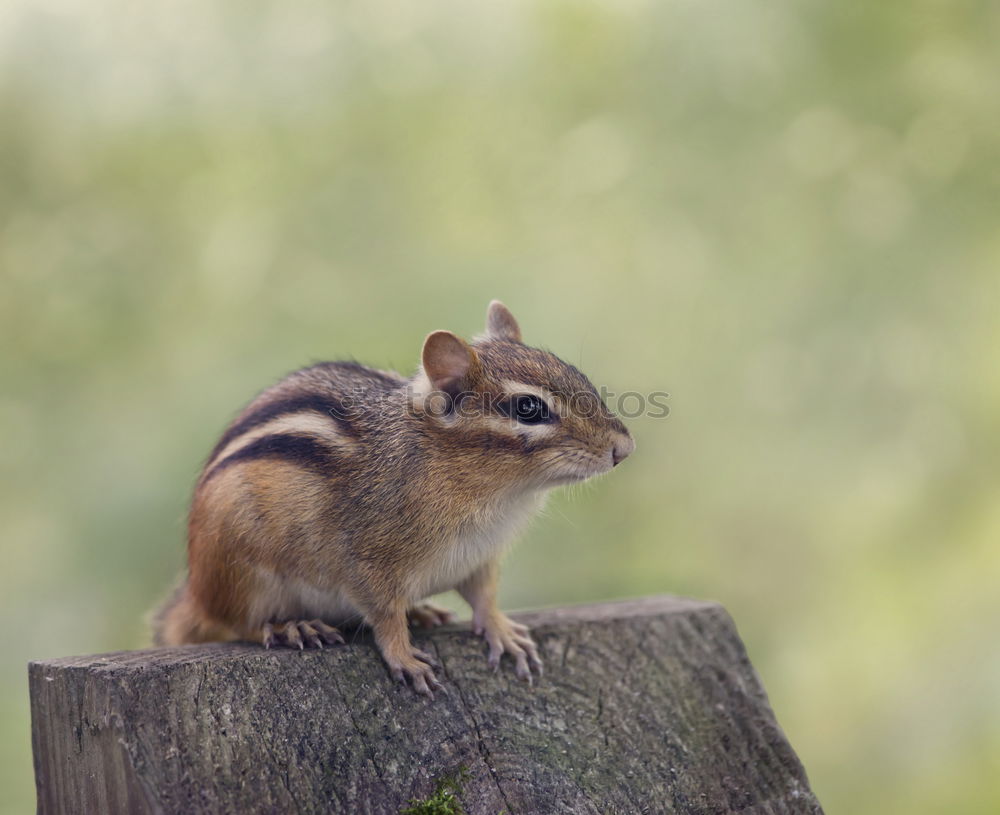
<point>346,493</point>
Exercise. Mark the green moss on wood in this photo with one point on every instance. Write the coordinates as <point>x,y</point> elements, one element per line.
<point>444,801</point>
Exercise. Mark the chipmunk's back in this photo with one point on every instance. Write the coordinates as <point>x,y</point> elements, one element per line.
<point>324,397</point>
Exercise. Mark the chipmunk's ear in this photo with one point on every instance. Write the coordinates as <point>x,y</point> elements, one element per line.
<point>449,362</point>
<point>500,323</point>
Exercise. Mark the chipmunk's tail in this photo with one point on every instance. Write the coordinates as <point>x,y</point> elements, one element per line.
<point>180,621</point>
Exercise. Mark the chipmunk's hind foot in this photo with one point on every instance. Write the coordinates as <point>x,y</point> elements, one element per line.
<point>429,615</point>
<point>300,634</point>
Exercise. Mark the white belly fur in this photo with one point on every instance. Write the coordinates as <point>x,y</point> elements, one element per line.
<point>484,540</point>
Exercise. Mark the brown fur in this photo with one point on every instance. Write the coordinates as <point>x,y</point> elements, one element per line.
<point>345,493</point>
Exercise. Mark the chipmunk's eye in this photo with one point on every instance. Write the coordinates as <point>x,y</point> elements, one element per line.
<point>530,409</point>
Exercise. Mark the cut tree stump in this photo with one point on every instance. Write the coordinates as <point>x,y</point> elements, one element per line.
<point>646,706</point>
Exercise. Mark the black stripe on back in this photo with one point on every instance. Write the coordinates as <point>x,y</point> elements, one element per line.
<point>303,451</point>
<point>323,403</point>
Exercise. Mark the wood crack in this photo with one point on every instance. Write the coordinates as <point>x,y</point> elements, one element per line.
<point>357,727</point>
<point>484,751</point>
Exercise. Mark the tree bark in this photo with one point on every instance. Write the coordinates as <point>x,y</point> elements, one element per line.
<point>646,706</point>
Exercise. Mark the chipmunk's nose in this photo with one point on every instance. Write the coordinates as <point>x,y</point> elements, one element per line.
<point>623,446</point>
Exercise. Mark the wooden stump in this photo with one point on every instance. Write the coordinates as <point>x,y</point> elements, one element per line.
<point>646,706</point>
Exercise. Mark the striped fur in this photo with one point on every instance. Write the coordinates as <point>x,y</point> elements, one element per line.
<point>323,405</point>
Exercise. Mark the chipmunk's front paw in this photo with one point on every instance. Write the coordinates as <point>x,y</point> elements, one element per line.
<point>300,634</point>
<point>429,615</point>
<point>503,635</point>
<point>417,669</point>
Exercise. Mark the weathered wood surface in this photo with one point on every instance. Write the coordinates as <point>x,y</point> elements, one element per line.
<point>647,706</point>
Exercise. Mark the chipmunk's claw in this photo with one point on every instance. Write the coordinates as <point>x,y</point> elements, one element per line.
<point>504,636</point>
<point>300,634</point>
<point>420,676</point>
<point>327,633</point>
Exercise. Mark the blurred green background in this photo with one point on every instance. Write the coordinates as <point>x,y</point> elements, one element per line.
<point>784,213</point>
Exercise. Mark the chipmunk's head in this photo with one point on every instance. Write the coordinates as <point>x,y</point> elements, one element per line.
<point>522,413</point>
